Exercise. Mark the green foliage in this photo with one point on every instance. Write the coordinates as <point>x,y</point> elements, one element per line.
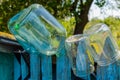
<point>9,8</point>
<point>58,8</point>
<point>69,24</point>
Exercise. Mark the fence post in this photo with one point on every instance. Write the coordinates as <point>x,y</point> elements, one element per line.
<point>63,67</point>
<point>46,67</point>
<point>17,67</point>
<point>25,66</point>
<point>35,67</point>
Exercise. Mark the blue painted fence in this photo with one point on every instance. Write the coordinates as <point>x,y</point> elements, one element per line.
<point>16,64</point>
<point>41,67</point>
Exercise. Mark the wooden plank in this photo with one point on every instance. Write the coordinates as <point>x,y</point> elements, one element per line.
<point>63,67</point>
<point>46,66</point>
<point>109,72</point>
<point>24,69</point>
<point>6,66</point>
<point>17,67</point>
<point>118,69</point>
<point>35,67</point>
<point>6,49</point>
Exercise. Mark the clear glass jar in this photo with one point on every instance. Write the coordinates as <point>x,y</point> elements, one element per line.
<point>79,56</point>
<point>104,48</point>
<point>37,30</point>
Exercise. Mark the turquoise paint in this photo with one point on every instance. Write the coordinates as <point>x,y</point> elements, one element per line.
<point>17,68</point>
<point>63,67</point>
<point>35,67</point>
<point>46,67</point>
<point>24,68</point>
<point>6,66</point>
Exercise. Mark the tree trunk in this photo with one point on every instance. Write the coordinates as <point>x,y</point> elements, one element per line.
<point>82,19</point>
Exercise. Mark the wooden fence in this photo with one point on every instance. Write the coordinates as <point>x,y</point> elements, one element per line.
<point>16,64</point>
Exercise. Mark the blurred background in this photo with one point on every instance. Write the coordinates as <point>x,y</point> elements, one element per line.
<point>74,15</point>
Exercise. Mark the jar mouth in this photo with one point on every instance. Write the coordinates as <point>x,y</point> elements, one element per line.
<point>75,38</point>
<point>96,28</point>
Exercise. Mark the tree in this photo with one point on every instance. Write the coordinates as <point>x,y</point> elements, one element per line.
<point>58,8</point>
<point>81,16</point>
